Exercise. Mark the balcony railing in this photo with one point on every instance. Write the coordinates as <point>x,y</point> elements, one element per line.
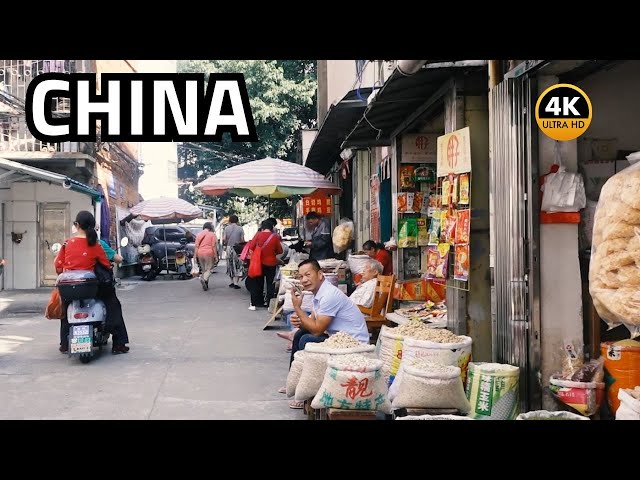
<point>15,77</point>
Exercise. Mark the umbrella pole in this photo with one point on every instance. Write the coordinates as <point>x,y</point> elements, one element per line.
<point>166,253</point>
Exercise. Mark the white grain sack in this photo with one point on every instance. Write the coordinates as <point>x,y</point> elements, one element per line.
<point>429,385</point>
<point>437,346</point>
<point>434,417</point>
<point>353,382</point>
<point>294,372</point>
<point>315,364</point>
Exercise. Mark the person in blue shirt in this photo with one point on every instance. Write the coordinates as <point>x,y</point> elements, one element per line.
<point>115,319</point>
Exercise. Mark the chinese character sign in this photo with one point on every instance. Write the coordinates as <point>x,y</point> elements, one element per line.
<point>320,205</point>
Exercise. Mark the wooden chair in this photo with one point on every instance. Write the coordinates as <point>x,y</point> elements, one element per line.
<point>382,303</point>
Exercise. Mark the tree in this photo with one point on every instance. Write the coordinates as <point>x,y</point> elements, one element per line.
<point>282,94</point>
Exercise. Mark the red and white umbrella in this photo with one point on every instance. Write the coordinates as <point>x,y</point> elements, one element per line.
<point>269,177</point>
<point>174,209</point>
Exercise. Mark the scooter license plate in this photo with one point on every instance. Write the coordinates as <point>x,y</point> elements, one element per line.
<point>146,268</point>
<point>81,341</point>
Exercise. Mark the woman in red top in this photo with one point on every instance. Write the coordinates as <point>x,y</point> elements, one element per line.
<point>378,252</point>
<point>82,252</point>
<point>271,245</point>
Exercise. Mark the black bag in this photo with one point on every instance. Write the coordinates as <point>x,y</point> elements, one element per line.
<point>104,274</point>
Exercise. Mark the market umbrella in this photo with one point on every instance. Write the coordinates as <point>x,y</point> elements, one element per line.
<point>269,177</point>
<point>166,210</point>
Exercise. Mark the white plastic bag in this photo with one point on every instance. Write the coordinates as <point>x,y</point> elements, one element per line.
<point>563,191</point>
<point>629,408</point>
<point>614,269</point>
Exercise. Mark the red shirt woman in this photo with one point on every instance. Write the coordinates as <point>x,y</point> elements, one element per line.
<point>78,255</point>
<point>378,252</point>
<point>270,250</point>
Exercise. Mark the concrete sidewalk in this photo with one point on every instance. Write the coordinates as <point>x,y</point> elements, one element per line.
<point>194,355</point>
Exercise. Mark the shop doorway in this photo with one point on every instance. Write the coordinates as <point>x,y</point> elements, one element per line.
<point>54,228</point>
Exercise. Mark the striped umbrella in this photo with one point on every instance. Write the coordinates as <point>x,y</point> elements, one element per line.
<point>174,209</point>
<point>269,177</point>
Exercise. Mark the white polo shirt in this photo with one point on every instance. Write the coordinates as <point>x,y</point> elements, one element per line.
<point>346,316</point>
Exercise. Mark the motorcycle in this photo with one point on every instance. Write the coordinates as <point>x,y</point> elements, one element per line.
<point>147,263</point>
<point>87,316</point>
<point>183,262</point>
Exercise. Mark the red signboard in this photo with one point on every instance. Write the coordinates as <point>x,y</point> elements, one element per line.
<point>320,205</point>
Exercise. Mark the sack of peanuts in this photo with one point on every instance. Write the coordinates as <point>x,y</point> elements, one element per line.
<point>294,372</point>
<point>429,385</point>
<point>353,382</point>
<point>315,361</point>
<point>614,269</point>
<point>389,346</point>
<point>438,346</point>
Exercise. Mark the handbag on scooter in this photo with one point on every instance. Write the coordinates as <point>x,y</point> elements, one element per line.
<point>104,274</point>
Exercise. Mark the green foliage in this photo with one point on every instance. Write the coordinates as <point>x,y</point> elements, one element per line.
<point>282,94</point>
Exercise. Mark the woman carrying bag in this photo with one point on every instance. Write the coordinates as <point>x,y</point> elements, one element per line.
<point>265,246</point>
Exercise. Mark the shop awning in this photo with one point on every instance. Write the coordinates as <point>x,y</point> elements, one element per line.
<point>11,171</point>
<point>399,97</point>
<point>340,120</point>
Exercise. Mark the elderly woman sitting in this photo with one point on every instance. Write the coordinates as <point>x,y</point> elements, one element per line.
<point>365,291</point>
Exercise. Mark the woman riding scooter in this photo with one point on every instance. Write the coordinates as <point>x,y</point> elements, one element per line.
<point>83,252</point>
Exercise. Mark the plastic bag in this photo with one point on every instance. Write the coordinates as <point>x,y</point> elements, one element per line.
<point>54,307</point>
<point>342,235</point>
<point>614,271</point>
<point>563,191</point>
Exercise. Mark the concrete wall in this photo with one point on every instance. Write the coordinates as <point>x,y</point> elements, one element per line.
<point>338,77</point>
<point>560,281</point>
<point>479,296</point>
<point>615,99</point>
<point>21,214</point>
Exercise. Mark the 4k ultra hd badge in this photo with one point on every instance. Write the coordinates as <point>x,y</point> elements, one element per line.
<point>563,112</point>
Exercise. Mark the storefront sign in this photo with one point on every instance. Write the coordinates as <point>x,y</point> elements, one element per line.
<point>374,209</point>
<point>320,205</point>
<point>419,148</point>
<point>454,152</point>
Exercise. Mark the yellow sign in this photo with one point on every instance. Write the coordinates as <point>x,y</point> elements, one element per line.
<point>454,153</point>
<point>563,112</point>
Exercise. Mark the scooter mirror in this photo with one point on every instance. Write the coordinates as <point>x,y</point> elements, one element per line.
<point>124,242</point>
<point>55,248</point>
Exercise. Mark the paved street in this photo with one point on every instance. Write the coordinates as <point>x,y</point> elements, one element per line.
<point>194,355</point>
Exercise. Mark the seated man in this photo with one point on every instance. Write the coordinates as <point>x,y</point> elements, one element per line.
<point>366,289</point>
<point>333,312</point>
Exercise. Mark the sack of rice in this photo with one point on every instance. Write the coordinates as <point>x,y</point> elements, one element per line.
<point>294,372</point>
<point>493,391</point>
<point>315,361</point>
<point>429,385</point>
<point>434,417</point>
<point>438,346</point>
<point>353,382</point>
<point>390,346</point>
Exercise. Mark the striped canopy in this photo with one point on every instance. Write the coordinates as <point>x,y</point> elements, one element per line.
<point>166,209</point>
<point>269,177</point>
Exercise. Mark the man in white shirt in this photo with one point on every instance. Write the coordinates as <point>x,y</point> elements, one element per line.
<point>333,311</point>
<point>365,292</point>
